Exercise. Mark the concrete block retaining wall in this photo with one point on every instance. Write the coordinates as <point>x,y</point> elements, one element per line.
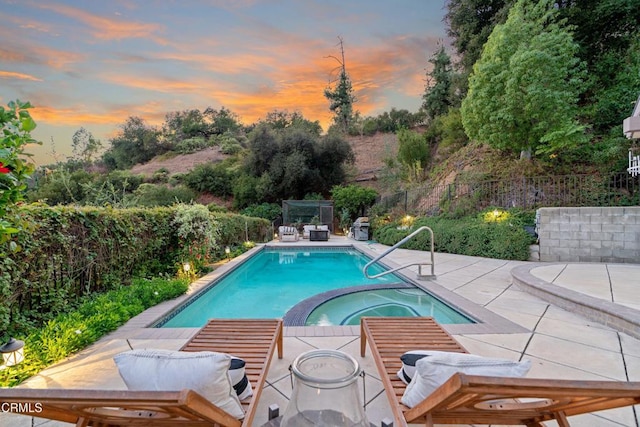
<point>610,234</point>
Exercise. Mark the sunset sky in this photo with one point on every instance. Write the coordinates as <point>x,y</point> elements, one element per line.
<point>93,64</point>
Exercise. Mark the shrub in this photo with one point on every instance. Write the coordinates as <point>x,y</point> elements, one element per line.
<point>197,232</point>
<point>192,145</point>
<point>215,179</point>
<point>160,195</point>
<point>237,229</point>
<point>466,236</point>
<point>15,126</point>
<point>353,198</point>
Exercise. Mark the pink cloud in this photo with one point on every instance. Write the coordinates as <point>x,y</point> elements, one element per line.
<point>18,76</point>
<point>104,28</point>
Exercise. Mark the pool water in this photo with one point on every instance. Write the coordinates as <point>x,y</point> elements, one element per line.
<point>347,309</point>
<point>271,282</point>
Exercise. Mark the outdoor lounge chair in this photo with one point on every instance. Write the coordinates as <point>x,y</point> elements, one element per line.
<point>471,399</point>
<point>307,229</point>
<point>288,234</point>
<point>252,340</point>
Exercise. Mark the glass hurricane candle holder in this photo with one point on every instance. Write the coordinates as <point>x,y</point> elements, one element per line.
<point>325,391</point>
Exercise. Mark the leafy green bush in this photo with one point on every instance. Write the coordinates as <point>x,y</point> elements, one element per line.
<point>15,126</point>
<point>216,179</point>
<point>230,147</point>
<point>192,145</point>
<point>160,195</point>
<point>236,229</point>
<point>466,236</point>
<point>353,198</point>
<point>197,232</point>
<point>96,316</point>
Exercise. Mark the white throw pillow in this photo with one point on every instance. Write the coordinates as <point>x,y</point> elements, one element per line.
<point>438,367</point>
<point>409,360</point>
<point>239,380</point>
<point>205,372</point>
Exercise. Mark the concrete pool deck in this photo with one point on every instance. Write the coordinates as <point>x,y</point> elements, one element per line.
<point>561,343</point>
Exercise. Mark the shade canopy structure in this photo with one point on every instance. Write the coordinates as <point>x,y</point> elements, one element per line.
<point>631,125</point>
<point>303,211</point>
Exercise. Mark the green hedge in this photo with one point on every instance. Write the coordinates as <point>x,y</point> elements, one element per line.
<point>69,252</point>
<point>467,236</point>
<point>96,316</point>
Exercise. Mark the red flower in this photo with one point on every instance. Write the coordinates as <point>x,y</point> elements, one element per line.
<point>4,169</point>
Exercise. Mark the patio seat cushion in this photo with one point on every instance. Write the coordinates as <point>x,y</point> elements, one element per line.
<point>435,369</point>
<point>205,372</point>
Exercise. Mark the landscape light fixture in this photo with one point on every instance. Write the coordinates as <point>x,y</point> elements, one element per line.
<point>12,352</point>
<point>228,252</point>
<point>186,267</point>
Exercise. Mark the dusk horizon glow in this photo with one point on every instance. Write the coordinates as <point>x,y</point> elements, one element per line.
<point>94,64</point>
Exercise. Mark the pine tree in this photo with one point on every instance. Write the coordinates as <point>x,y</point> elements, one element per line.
<point>437,96</point>
<point>341,97</point>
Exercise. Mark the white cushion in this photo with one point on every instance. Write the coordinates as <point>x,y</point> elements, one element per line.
<point>205,372</point>
<point>239,380</point>
<point>438,367</point>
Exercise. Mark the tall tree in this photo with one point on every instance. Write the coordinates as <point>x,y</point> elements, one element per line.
<point>136,142</point>
<point>341,98</point>
<point>221,121</point>
<point>469,24</point>
<point>607,32</point>
<point>438,94</point>
<point>84,145</point>
<point>524,88</point>
<point>602,26</point>
<point>179,125</point>
<point>413,153</point>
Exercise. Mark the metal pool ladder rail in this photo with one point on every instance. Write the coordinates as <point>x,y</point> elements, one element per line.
<point>419,264</point>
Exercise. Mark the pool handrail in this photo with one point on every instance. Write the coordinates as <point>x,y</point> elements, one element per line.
<point>419,264</point>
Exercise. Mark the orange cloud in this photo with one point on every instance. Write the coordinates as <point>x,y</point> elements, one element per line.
<point>53,58</point>
<point>105,28</point>
<point>155,84</point>
<point>19,76</point>
<point>72,116</point>
<point>82,115</point>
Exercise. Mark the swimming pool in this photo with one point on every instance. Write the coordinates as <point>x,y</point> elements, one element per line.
<point>274,280</point>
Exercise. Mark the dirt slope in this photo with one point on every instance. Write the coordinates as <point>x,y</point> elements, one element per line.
<point>370,152</point>
<point>181,163</point>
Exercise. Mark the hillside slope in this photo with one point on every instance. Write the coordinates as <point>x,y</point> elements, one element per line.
<point>181,163</point>
<point>370,152</point>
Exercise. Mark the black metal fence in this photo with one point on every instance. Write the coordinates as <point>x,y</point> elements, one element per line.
<point>527,193</point>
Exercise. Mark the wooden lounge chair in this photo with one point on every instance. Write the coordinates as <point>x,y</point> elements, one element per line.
<point>468,399</point>
<point>254,341</point>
